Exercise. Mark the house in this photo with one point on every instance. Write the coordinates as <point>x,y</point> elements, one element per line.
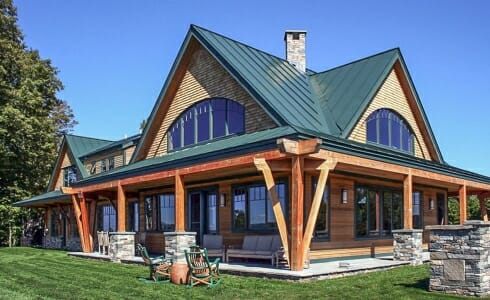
<point>243,142</point>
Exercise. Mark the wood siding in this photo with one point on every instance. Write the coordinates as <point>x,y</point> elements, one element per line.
<point>129,154</point>
<point>392,96</point>
<point>206,78</point>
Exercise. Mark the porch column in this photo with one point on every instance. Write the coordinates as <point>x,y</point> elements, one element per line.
<point>93,207</point>
<point>121,209</point>
<point>78,218</point>
<point>483,206</point>
<point>408,201</point>
<point>179,204</point>
<point>462,204</point>
<point>85,222</point>
<point>297,204</point>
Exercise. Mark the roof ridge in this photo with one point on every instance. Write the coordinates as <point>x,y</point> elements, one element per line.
<point>241,43</point>
<point>87,137</point>
<point>357,60</point>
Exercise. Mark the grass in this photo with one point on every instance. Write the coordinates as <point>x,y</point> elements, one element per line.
<point>28,273</point>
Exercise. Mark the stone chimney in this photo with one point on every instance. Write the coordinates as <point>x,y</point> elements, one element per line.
<point>295,48</point>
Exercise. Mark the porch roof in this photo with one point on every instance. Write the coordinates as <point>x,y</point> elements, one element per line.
<point>46,198</point>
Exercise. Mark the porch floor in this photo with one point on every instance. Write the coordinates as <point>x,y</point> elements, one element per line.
<point>344,266</point>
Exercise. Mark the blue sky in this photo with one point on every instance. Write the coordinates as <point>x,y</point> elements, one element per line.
<point>113,56</point>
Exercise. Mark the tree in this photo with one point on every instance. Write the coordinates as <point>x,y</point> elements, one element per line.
<point>32,122</point>
<point>473,210</point>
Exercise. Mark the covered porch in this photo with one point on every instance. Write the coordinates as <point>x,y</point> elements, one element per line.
<point>306,167</point>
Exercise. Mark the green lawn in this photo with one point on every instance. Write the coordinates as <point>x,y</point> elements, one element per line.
<point>27,273</point>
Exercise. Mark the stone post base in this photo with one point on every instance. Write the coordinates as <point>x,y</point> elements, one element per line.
<point>175,244</point>
<point>121,245</point>
<point>460,258</point>
<point>407,246</point>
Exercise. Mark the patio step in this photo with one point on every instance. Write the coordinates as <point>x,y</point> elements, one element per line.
<point>344,252</point>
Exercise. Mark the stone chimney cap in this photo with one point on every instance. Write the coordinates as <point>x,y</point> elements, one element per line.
<point>293,31</point>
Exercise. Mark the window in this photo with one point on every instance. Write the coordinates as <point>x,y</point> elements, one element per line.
<point>103,166</point>
<point>134,217</point>
<point>322,225</point>
<point>107,219</point>
<point>111,163</point>
<point>386,127</point>
<point>417,210</point>
<point>212,213</point>
<point>206,120</point>
<point>93,168</point>
<point>379,211</point>
<point>160,212</point>
<point>69,175</point>
<point>166,203</point>
<point>252,207</point>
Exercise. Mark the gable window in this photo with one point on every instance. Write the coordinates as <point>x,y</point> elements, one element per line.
<point>69,175</point>
<point>103,166</point>
<point>386,127</point>
<point>111,163</point>
<point>252,207</point>
<point>206,120</point>
<point>93,167</point>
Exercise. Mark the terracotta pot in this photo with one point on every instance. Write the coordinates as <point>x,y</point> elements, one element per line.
<point>178,274</point>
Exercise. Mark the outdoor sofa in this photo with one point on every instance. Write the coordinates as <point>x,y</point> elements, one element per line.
<point>257,247</point>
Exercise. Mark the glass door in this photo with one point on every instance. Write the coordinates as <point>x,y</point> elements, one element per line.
<point>203,213</point>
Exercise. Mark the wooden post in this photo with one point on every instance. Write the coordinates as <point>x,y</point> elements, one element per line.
<point>121,209</point>
<point>85,223</point>
<point>93,208</point>
<point>483,206</point>
<point>179,204</point>
<point>297,218</point>
<point>78,218</point>
<point>315,204</point>
<point>462,204</point>
<point>262,165</point>
<point>408,201</point>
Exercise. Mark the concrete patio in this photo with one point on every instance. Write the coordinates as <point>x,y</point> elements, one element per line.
<point>342,267</point>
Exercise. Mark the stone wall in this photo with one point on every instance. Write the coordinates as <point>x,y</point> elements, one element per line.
<point>121,245</point>
<point>176,243</point>
<point>459,258</point>
<point>72,244</point>
<point>407,245</point>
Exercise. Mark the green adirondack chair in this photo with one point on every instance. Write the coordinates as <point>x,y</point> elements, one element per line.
<point>160,267</point>
<point>201,270</point>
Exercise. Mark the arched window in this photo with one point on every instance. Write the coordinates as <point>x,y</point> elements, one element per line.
<point>206,120</point>
<point>386,127</point>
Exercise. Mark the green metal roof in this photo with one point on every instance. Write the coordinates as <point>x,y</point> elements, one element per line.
<point>43,198</point>
<point>217,149</point>
<point>121,144</point>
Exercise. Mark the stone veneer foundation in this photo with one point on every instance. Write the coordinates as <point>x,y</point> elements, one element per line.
<point>407,246</point>
<point>460,258</point>
<point>72,244</point>
<point>121,245</point>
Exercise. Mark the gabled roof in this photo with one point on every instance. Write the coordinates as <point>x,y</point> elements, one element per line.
<point>345,92</point>
<point>121,144</point>
<point>282,90</point>
<point>77,146</point>
<point>49,197</point>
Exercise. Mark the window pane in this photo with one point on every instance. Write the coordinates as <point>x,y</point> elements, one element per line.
<point>167,212</point>
<point>387,213</point>
<point>256,206</point>
<point>219,117</point>
<point>175,142</point>
<point>202,110</point>
<point>322,222</point>
<point>373,206</point>
<point>281,194</point>
<point>212,213</point>
<point>397,211</point>
<point>239,213</point>
<point>188,119</point>
<point>395,133</point>
<point>405,139</point>
<point>109,218</point>
<point>361,212</point>
<point>372,135</point>
<point>148,213</point>
<point>384,135</point>
<point>417,210</point>
<point>236,122</point>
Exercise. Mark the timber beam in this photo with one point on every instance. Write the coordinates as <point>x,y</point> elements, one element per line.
<point>483,205</point>
<point>305,147</point>
<point>121,209</point>
<point>462,204</point>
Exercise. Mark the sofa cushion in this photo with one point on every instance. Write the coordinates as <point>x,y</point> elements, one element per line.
<point>264,243</point>
<point>263,253</point>
<point>250,242</point>
<point>240,252</point>
<point>210,241</point>
<point>276,243</point>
